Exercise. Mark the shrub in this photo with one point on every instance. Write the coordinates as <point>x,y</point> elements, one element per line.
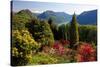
<point>58,48</point>
<point>86,52</point>
<point>43,58</point>
<point>23,46</point>
<point>65,43</point>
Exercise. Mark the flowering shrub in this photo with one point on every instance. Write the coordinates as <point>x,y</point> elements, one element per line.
<point>86,53</point>
<point>46,49</point>
<point>23,46</point>
<point>52,51</point>
<point>58,48</point>
<point>64,42</point>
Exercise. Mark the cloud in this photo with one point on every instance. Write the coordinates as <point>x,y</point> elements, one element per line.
<point>36,11</point>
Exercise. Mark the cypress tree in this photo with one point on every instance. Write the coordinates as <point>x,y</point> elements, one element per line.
<point>74,34</point>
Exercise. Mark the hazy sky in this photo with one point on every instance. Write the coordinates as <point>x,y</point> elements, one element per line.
<point>39,7</point>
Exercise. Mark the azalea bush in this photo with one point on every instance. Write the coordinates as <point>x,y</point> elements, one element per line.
<point>58,48</point>
<point>62,53</point>
<point>65,43</point>
<point>86,52</point>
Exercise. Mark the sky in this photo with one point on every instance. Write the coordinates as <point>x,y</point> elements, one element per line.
<point>39,7</point>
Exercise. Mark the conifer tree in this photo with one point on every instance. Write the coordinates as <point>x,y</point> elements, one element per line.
<point>74,34</point>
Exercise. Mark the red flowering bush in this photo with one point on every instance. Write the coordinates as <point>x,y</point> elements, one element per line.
<point>86,52</point>
<point>65,42</point>
<point>56,45</point>
<point>59,48</point>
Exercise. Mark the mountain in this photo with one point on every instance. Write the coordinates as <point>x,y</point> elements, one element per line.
<point>85,18</point>
<point>25,11</point>
<point>57,17</point>
<point>88,17</point>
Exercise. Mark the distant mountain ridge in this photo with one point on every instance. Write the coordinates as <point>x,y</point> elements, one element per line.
<point>88,17</point>
<point>58,17</point>
<point>85,18</point>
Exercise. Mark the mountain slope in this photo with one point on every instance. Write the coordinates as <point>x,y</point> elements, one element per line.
<point>58,17</point>
<point>85,18</point>
<point>88,17</point>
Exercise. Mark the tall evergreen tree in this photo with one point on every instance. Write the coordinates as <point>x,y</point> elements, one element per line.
<point>62,32</point>
<point>74,34</point>
<point>50,21</point>
<point>54,28</point>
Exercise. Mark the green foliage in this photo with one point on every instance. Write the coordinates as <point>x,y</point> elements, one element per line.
<point>23,45</point>
<point>63,32</point>
<point>50,21</point>
<point>41,32</point>
<point>20,19</point>
<point>26,12</point>
<point>88,33</point>
<point>43,58</point>
<point>68,31</point>
<point>54,28</point>
<point>74,33</point>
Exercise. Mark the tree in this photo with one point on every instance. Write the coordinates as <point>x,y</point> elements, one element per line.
<point>88,33</point>
<point>54,28</point>
<point>74,33</point>
<point>41,31</point>
<point>50,21</point>
<point>20,19</point>
<point>63,32</point>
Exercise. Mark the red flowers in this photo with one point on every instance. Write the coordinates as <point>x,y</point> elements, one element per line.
<point>65,42</point>
<point>56,45</point>
<point>86,49</point>
<point>86,52</point>
<point>59,48</point>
